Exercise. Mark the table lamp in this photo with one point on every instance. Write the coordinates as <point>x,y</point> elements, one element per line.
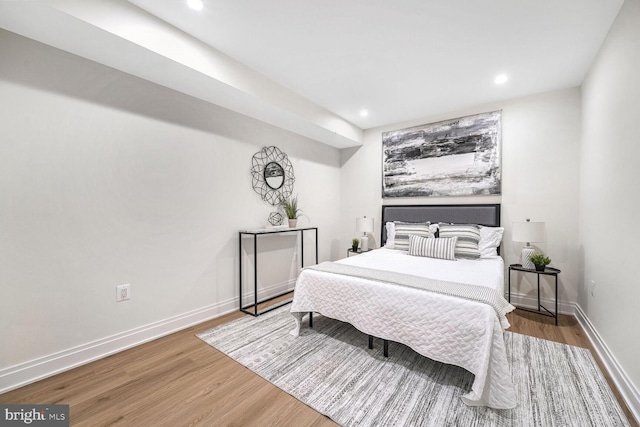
<point>364,225</point>
<point>528,232</point>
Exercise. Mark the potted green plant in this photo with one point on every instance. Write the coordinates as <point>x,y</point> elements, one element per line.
<point>540,261</point>
<point>354,245</point>
<point>291,210</point>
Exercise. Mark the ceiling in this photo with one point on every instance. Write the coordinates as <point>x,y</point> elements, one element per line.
<point>312,66</point>
<point>402,59</point>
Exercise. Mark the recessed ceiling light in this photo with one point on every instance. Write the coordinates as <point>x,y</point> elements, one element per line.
<point>195,4</point>
<point>501,79</point>
<point>364,113</point>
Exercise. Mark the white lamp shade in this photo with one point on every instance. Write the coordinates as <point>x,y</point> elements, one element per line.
<point>364,225</point>
<point>528,232</point>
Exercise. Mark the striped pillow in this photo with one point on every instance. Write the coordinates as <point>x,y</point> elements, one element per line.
<point>442,248</point>
<point>468,237</point>
<point>405,229</point>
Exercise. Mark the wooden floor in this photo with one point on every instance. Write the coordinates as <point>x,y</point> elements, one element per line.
<point>179,380</point>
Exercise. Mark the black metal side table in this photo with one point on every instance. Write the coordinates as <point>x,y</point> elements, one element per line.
<point>548,271</point>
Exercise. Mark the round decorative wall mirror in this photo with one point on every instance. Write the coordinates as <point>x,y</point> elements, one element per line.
<point>272,175</point>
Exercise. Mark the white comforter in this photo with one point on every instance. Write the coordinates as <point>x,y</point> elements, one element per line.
<point>447,329</point>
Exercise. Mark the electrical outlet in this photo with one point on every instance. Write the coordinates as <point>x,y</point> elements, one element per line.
<point>593,288</point>
<point>123,292</point>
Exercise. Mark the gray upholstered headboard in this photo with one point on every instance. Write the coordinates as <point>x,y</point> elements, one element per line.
<point>488,215</point>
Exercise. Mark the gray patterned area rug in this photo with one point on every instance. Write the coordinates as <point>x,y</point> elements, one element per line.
<point>331,369</point>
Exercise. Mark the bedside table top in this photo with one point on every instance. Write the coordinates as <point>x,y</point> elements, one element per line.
<point>359,251</point>
<point>547,270</point>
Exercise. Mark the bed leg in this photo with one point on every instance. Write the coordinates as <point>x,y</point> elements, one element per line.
<point>386,348</point>
<point>370,342</point>
<point>311,319</point>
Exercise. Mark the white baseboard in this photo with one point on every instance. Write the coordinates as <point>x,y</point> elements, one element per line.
<point>629,393</point>
<point>25,373</point>
<point>528,301</point>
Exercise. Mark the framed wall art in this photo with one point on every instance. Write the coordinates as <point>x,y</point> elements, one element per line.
<point>458,157</point>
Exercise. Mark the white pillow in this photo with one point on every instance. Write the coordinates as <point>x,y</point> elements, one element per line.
<point>391,235</point>
<point>490,238</point>
<point>441,248</point>
<point>391,232</point>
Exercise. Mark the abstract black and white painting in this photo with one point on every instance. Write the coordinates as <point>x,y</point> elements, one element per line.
<point>458,157</point>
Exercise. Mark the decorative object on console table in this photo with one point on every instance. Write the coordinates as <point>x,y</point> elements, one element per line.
<point>528,232</point>
<point>540,261</point>
<point>275,219</point>
<point>354,245</point>
<point>291,209</point>
<point>364,225</point>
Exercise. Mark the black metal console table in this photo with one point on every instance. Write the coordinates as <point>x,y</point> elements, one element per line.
<point>548,271</point>
<point>258,232</point>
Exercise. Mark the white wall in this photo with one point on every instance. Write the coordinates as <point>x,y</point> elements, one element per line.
<point>108,179</point>
<point>609,195</point>
<point>540,143</point>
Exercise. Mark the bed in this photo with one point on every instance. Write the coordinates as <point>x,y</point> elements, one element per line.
<point>452,311</point>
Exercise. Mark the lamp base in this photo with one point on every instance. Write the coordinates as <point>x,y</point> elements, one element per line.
<point>364,243</point>
<point>527,251</point>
